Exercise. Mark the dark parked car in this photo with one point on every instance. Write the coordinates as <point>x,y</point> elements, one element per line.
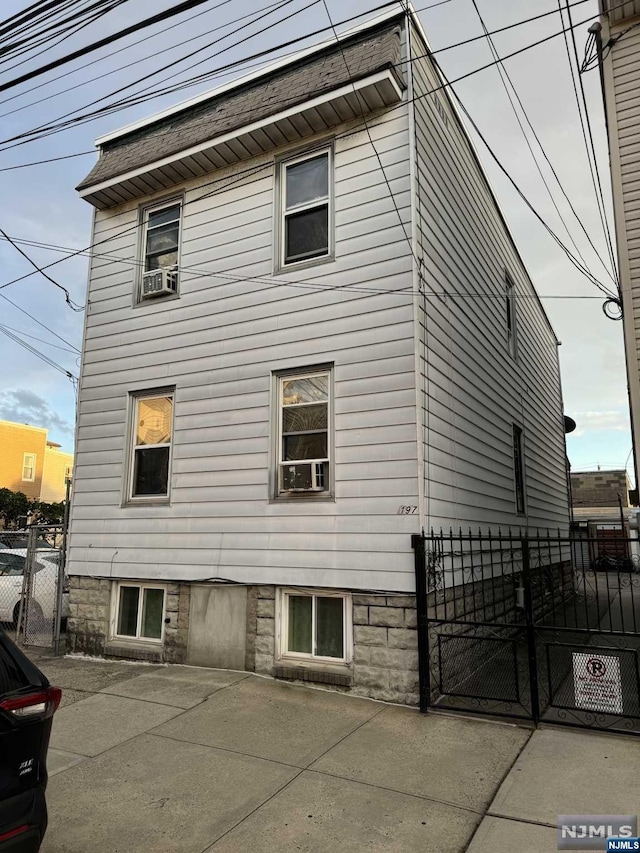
<point>27,705</point>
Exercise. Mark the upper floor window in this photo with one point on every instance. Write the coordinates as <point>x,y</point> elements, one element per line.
<point>303,432</point>
<point>29,467</point>
<point>67,472</point>
<point>305,201</point>
<point>510,299</point>
<point>161,246</point>
<point>151,446</point>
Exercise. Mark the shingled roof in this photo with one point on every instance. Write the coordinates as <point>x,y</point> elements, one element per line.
<point>335,66</point>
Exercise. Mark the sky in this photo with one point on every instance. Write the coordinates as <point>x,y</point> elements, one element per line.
<point>44,207</point>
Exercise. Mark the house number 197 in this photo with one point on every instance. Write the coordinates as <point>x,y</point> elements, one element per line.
<point>407,510</point>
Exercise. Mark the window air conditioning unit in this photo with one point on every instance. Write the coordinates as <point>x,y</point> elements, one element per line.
<point>303,477</point>
<point>159,283</point>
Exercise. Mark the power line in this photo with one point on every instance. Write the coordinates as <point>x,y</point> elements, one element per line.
<point>39,322</point>
<point>366,126</point>
<point>135,62</point>
<point>504,77</point>
<point>415,98</point>
<point>38,354</point>
<point>502,168</point>
<point>197,272</point>
<point>178,9</point>
<point>124,103</point>
<point>49,160</point>
<point>590,148</point>
<point>139,97</point>
<point>67,295</point>
<point>38,338</point>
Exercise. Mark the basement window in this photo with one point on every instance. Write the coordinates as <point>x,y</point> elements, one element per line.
<point>139,612</point>
<point>315,626</point>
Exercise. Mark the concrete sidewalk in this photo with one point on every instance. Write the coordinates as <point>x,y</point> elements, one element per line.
<point>148,759</point>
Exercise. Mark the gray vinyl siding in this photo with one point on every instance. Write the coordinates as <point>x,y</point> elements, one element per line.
<point>218,344</point>
<point>473,390</point>
<point>622,96</point>
<point>425,392</point>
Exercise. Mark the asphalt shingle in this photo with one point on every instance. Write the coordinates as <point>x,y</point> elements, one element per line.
<point>265,96</point>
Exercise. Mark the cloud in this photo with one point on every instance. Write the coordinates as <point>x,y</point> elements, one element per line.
<point>592,421</point>
<point>25,407</point>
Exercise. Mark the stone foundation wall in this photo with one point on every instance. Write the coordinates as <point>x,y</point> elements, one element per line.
<point>90,612</point>
<point>385,644</point>
<point>385,649</point>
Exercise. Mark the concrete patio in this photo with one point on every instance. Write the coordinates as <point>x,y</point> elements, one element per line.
<point>162,759</point>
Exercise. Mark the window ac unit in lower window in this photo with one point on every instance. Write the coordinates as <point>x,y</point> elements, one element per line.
<point>303,477</point>
<point>159,283</point>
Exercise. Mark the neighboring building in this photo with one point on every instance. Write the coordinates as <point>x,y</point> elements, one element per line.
<point>598,495</point>
<point>600,513</point>
<point>282,381</point>
<point>31,464</point>
<point>58,468</point>
<point>619,46</point>
<point>22,449</point>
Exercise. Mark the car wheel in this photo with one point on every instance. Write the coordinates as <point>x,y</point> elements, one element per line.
<point>35,613</point>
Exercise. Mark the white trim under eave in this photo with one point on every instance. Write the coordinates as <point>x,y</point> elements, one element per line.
<point>348,89</point>
<point>254,75</point>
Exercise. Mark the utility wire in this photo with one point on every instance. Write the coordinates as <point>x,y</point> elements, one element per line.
<point>365,124</point>
<point>505,77</point>
<point>39,354</point>
<point>67,295</point>
<point>49,160</point>
<point>232,277</point>
<point>120,68</point>
<point>42,132</point>
<point>39,338</point>
<point>589,146</point>
<point>502,168</point>
<point>349,133</point>
<point>178,9</point>
<point>139,97</point>
<point>39,322</point>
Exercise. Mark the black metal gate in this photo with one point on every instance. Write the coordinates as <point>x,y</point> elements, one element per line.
<point>542,627</point>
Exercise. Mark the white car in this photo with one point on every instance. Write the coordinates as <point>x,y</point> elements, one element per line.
<point>12,564</point>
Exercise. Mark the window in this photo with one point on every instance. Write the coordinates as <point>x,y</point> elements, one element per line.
<point>518,469</point>
<point>510,298</point>
<point>303,432</point>
<point>151,446</point>
<point>29,467</point>
<point>315,626</point>
<point>67,473</point>
<point>160,250</point>
<point>139,612</point>
<point>305,198</point>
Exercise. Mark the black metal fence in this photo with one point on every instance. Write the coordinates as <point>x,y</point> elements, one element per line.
<point>536,627</point>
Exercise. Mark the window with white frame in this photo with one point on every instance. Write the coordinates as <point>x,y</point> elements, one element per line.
<point>152,431</point>
<point>510,298</point>
<point>305,201</point>
<point>160,249</point>
<point>303,432</point>
<point>315,626</point>
<point>67,472</point>
<point>139,611</point>
<point>29,467</point>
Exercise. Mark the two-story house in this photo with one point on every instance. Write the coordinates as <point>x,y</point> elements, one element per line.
<point>309,335</point>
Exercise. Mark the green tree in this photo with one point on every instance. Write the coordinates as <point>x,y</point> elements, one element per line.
<point>13,506</point>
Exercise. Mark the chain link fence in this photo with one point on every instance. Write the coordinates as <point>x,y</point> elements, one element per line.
<point>34,594</point>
